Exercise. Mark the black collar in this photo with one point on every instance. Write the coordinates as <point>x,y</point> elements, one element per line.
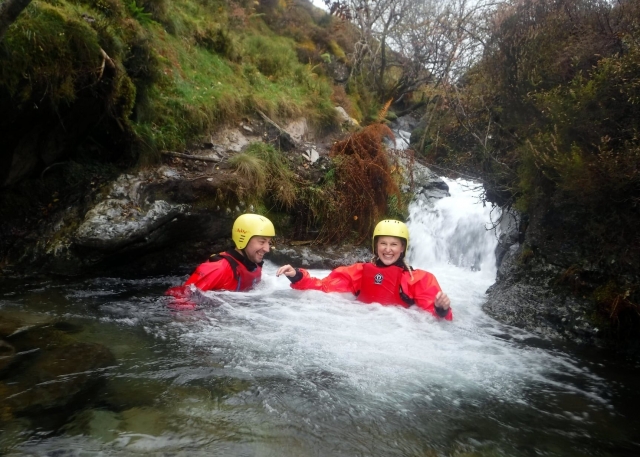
<point>249,265</point>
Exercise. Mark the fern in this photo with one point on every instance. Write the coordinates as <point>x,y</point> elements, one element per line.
<point>138,13</point>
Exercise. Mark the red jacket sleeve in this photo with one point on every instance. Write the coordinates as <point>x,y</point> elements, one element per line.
<point>213,276</point>
<point>342,279</point>
<point>423,289</point>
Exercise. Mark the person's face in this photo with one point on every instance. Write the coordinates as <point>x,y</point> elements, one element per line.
<point>389,249</point>
<point>257,247</point>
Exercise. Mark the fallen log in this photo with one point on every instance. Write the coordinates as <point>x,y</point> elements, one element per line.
<point>190,157</point>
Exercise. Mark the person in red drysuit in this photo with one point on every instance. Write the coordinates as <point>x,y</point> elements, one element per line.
<point>386,280</point>
<point>237,269</point>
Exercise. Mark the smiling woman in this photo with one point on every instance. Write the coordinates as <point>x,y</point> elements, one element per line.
<point>389,249</point>
<point>387,279</point>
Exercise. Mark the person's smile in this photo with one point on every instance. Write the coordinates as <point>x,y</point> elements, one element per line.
<point>389,249</point>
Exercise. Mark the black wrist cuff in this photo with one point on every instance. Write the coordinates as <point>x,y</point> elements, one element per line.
<point>296,278</point>
<point>441,311</point>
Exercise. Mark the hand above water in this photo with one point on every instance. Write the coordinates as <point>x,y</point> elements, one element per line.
<point>286,270</point>
<point>442,300</point>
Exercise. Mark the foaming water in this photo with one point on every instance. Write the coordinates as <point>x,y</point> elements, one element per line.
<point>281,372</point>
<point>339,357</point>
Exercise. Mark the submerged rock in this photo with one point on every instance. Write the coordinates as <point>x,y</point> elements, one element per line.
<point>321,257</point>
<point>50,370</point>
<point>7,354</point>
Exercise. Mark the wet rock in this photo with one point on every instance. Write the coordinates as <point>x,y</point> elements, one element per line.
<point>319,256</point>
<point>427,186</point>
<point>113,223</point>
<point>49,370</point>
<point>405,123</point>
<point>125,393</point>
<point>67,327</point>
<point>99,424</point>
<point>148,421</point>
<point>508,234</point>
<point>13,431</point>
<point>8,325</point>
<point>525,295</point>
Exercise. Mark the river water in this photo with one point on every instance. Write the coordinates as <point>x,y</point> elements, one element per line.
<point>277,372</point>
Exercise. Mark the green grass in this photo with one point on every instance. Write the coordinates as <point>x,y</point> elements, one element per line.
<point>184,67</point>
<point>200,89</point>
<point>252,170</point>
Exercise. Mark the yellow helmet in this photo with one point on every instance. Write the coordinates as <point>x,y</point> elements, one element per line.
<point>248,225</point>
<point>391,227</point>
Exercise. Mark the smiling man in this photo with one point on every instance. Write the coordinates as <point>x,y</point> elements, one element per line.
<point>237,269</point>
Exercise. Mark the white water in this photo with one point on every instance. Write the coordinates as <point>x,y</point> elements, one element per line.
<point>385,357</point>
<point>314,374</point>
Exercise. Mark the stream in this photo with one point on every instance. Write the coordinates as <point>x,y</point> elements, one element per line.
<point>278,372</point>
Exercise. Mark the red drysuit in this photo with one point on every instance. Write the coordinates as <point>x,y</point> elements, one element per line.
<point>228,270</point>
<point>388,285</point>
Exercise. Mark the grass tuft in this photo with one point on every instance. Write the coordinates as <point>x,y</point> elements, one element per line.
<point>252,170</point>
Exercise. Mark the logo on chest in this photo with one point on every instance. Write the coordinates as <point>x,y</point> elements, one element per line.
<point>377,279</point>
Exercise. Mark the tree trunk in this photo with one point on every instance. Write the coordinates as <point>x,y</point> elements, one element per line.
<point>9,12</point>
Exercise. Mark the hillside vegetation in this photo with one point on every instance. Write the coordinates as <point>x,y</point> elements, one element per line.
<point>122,79</point>
<point>94,88</point>
<point>549,118</point>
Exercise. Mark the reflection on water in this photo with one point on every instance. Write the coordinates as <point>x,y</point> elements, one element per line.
<point>282,372</point>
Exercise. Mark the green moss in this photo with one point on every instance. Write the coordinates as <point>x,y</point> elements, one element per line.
<point>337,51</point>
<point>47,53</point>
<point>526,255</point>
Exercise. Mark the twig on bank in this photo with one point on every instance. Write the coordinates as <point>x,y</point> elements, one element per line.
<point>190,157</point>
<point>106,60</point>
<point>282,131</point>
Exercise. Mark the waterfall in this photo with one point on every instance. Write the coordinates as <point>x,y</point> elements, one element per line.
<point>457,230</point>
